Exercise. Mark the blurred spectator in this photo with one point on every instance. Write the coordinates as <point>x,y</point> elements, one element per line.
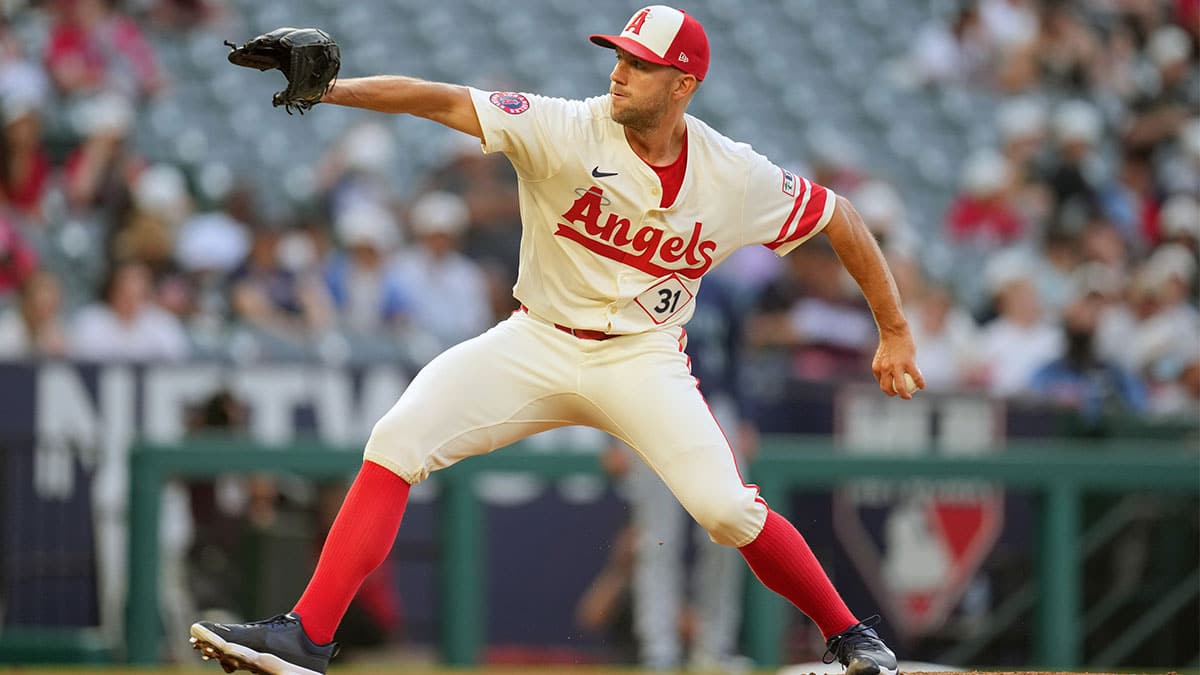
<point>160,204</point>
<point>1178,392</point>
<point>1117,321</point>
<point>833,161</point>
<point>1171,319</point>
<point>92,47</point>
<point>99,170</point>
<point>1054,269</point>
<point>946,337</point>
<point>1179,221</point>
<point>488,185</point>
<point>1060,57</point>
<point>812,312</point>
<point>367,298</point>
<point>1076,178</point>
<point>883,211</point>
<point>447,290</point>
<point>126,325</point>
<point>274,290</point>
<point>25,166</point>
<point>1011,24</point>
<point>17,258</point>
<point>213,241</point>
<point>606,606</point>
<point>1024,129</point>
<point>1102,242</point>
<point>1178,167</point>
<point>213,577</point>
<point>982,216</point>
<point>748,270</point>
<point>1080,379</point>
<point>1020,339</point>
<point>1115,77</point>
<point>208,248</point>
<point>1170,93</point>
<point>1021,122</point>
<point>357,170</point>
<point>184,14</point>
<point>33,328</point>
<point>1131,201</point>
<point>957,53</point>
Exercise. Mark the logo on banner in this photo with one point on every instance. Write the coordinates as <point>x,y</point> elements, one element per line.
<point>917,549</point>
<point>918,544</point>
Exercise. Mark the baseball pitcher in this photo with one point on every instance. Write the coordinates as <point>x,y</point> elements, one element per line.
<point>626,203</point>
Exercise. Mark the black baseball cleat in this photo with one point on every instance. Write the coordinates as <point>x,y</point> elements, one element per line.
<point>861,651</point>
<point>275,646</point>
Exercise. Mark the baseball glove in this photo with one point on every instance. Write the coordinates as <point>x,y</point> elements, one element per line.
<point>308,57</point>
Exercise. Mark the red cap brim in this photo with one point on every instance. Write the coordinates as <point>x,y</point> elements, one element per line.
<point>633,47</point>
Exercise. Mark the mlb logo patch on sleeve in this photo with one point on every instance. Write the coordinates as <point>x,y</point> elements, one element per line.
<point>789,183</point>
<point>510,102</point>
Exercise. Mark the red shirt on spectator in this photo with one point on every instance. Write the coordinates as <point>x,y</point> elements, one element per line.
<point>989,219</point>
<point>81,56</point>
<point>17,259</point>
<point>27,195</point>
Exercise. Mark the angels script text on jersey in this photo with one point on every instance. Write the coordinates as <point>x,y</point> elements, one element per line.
<point>612,240</point>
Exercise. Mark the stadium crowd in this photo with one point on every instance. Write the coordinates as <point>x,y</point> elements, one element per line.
<point>1069,254</point>
<point>1064,266</point>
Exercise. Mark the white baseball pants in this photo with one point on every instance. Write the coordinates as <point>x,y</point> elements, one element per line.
<point>525,376</point>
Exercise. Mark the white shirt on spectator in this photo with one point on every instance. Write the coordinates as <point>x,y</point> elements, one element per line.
<point>1160,335</point>
<point>945,357</point>
<point>938,57</point>
<point>14,336</point>
<point>449,297</point>
<point>1114,336</point>
<point>845,326</point>
<point>153,335</point>
<point>1013,352</point>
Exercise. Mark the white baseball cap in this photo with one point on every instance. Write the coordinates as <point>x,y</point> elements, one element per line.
<point>1180,217</point>
<point>1169,45</point>
<point>1078,121</point>
<point>1021,118</point>
<point>367,224</point>
<point>663,35</point>
<point>985,172</point>
<point>439,213</point>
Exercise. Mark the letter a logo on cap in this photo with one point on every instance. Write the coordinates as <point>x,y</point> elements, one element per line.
<point>664,36</point>
<point>635,24</point>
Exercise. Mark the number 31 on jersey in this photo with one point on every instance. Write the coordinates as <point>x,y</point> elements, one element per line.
<point>665,299</point>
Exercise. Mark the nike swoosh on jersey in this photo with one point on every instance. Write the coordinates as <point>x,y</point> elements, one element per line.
<point>597,173</point>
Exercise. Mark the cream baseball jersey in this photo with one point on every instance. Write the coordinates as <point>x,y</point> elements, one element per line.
<point>597,250</point>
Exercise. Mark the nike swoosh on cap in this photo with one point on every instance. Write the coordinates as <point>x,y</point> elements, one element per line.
<point>597,173</point>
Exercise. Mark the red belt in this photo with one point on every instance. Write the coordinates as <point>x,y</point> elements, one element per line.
<point>581,333</point>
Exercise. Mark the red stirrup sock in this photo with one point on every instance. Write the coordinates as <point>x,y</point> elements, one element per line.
<point>359,541</point>
<point>784,563</point>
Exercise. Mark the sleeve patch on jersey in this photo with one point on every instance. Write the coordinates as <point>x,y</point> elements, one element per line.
<point>510,102</point>
<point>789,183</point>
